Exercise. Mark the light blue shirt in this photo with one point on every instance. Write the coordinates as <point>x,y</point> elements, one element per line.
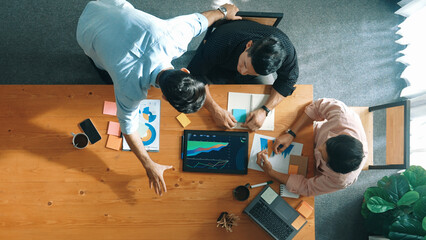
<point>133,47</point>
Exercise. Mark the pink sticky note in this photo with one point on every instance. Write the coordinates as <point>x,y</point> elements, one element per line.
<point>110,108</point>
<point>114,129</point>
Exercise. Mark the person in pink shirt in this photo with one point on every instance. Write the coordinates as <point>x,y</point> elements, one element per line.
<point>340,149</point>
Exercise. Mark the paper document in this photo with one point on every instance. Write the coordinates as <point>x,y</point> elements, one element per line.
<point>280,161</point>
<point>250,102</point>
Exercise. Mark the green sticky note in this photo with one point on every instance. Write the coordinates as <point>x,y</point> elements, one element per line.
<point>240,115</point>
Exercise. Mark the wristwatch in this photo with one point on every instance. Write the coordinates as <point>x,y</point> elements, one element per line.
<point>291,133</point>
<point>266,109</point>
<point>223,10</point>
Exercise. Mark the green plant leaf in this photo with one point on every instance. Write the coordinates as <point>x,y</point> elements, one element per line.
<point>406,228</point>
<point>412,179</point>
<point>397,187</point>
<point>379,223</point>
<point>379,205</point>
<point>420,208</point>
<point>419,173</point>
<point>408,198</point>
<point>364,210</point>
<point>376,191</point>
<point>424,223</point>
<point>421,190</point>
<point>383,182</point>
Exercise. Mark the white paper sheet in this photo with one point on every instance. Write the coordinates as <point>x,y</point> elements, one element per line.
<point>279,162</point>
<point>250,102</point>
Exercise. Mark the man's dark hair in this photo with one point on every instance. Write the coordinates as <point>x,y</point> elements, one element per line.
<point>267,55</point>
<point>182,90</point>
<point>345,153</point>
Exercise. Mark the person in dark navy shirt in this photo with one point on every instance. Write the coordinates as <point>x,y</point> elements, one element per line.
<point>243,52</point>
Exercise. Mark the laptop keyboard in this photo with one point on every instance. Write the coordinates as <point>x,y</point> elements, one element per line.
<point>270,220</point>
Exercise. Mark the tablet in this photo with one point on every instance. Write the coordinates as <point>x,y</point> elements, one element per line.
<point>215,151</point>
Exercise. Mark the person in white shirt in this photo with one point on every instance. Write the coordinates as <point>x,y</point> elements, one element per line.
<point>136,49</point>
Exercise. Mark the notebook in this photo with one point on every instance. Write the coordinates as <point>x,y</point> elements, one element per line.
<point>285,193</point>
<point>241,104</point>
<point>275,215</point>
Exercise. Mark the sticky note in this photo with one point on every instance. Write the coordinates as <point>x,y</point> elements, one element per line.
<point>110,108</point>
<point>298,223</point>
<point>113,142</point>
<point>114,129</point>
<point>293,169</point>
<point>270,147</point>
<point>183,119</point>
<point>269,195</point>
<point>305,209</point>
<point>240,115</point>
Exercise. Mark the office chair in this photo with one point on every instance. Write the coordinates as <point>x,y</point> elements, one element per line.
<point>397,134</point>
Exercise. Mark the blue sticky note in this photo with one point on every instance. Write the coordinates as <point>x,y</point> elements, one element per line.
<point>239,114</point>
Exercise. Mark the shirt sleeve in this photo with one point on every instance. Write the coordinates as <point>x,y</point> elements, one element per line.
<point>313,186</point>
<point>326,109</point>
<point>127,113</point>
<point>287,76</point>
<point>183,28</point>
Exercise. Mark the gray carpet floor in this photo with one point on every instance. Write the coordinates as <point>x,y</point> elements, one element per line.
<point>345,48</point>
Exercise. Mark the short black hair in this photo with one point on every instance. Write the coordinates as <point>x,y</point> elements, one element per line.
<point>267,55</point>
<point>183,91</point>
<point>345,153</point>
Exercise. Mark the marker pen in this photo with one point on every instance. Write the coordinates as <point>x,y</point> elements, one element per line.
<point>261,184</point>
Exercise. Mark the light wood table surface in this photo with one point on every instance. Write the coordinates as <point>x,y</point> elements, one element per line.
<point>50,190</point>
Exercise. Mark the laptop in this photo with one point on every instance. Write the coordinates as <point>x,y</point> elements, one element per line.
<point>275,215</point>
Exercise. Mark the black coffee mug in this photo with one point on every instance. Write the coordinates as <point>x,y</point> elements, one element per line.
<point>80,140</point>
<point>241,193</point>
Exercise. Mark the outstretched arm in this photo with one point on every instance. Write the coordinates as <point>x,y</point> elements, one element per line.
<point>154,171</point>
<point>215,15</point>
<point>221,117</point>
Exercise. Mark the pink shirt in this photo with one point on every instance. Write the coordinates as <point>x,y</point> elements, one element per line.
<point>332,118</point>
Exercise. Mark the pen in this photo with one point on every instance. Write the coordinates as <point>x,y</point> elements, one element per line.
<point>261,184</point>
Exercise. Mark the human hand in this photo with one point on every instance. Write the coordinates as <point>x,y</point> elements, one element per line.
<point>223,118</point>
<point>263,162</point>
<point>284,140</point>
<point>255,120</point>
<point>155,171</point>
<point>231,10</point>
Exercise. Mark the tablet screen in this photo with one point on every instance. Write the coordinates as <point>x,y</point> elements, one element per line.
<point>215,151</point>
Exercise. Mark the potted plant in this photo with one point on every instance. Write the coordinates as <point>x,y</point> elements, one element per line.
<point>396,208</point>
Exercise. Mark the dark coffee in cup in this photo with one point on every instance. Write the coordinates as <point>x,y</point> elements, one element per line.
<point>241,193</point>
<point>80,140</point>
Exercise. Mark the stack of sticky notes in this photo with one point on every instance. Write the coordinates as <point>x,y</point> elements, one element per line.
<point>298,165</point>
<point>183,120</point>
<point>240,115</point>
<point>114,136</point>
<point>305,209</point>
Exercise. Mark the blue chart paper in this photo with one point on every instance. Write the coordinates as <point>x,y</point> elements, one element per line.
<point>280,161</point>
<point>240,115</point>
<point>149,125</point>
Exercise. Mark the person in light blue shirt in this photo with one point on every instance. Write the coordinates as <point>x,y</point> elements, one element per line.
<point>136,49</point>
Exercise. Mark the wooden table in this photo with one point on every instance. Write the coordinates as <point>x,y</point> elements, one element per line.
<point>50,190</point>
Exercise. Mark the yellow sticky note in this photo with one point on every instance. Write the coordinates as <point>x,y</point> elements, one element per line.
<point>298,223</point>
<point>183,119</point>
<point>293,169</point>
<point>113,142</point>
